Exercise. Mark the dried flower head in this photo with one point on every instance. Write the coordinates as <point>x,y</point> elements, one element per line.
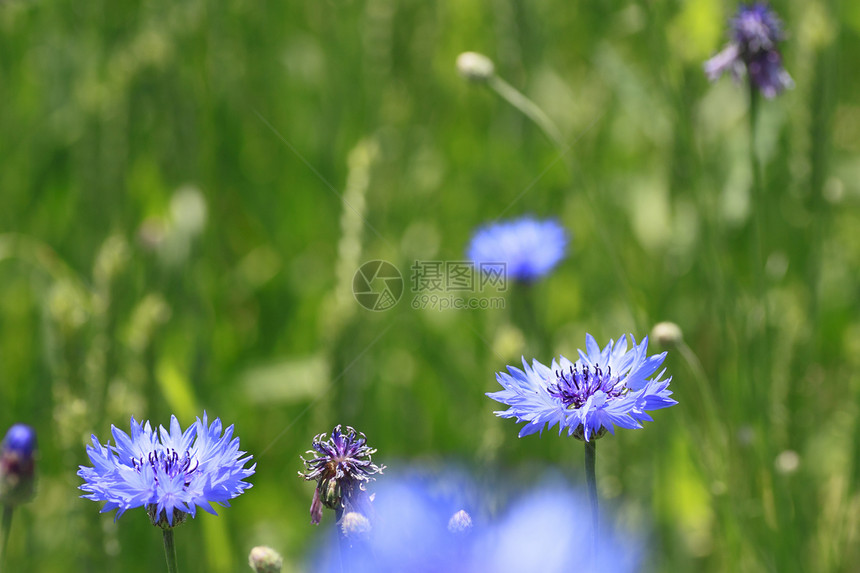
<point>342,467</point>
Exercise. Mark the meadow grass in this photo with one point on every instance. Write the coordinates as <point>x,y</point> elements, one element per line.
<point>188,188</point>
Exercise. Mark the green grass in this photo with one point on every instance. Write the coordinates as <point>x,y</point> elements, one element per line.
<point>123,125</point>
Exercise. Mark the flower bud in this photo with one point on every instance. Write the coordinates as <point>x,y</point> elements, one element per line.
<point>667,334</point>
<point>354,524</point>
<point>265,560</point>
<point>475,67</point>
<point>331,494</point>
<point>460,522</point>
<point>17,467</point>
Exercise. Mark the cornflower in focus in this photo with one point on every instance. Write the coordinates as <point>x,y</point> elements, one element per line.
<point>170,473</point>
<point>602,389</point>
<point>528,248</point>
<point>342,467</point>
<point>755,32</point>
<point>17,466</point>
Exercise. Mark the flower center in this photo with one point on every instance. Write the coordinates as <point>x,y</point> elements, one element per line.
<point>576,385</point>
<point>170,462</point>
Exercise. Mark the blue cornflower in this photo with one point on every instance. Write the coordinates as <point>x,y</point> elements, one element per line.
<point>342,467</point>
<point>755,30</point>
<point>17,465</point>
<point>170,473</point>
<point>602,389</point>
<point>528,248</point>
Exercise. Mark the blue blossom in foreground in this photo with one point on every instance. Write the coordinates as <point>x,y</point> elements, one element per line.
<point>529,248</point>
<point>602,389</point>
<point>342,467</point>
<point>755,32</point>
<point>170,473</point>
<point>541,530</point>
<point>17,465</point>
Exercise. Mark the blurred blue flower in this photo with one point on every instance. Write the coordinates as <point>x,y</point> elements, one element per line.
<point>170,473</point>
<point>542,531</point>
<point>17,465</point>
<point>528,247</point>
<point>602,389</point>
<point>341,467</point>
<point>755,30</point>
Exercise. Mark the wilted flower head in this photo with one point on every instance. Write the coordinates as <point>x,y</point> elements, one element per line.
<point>17,466</point>
<point>755,33</point>
<point>528,248</point>
<point>602,389</point>
<point>342,468</point>
<point>170,473</point>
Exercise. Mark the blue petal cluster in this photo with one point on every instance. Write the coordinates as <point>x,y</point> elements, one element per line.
<point>170,473</point>
<point>528,247</point>
<point>540,530</point>
<point>755,31</point>
<point>602,389</point>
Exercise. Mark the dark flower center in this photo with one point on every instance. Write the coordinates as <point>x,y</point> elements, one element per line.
<point>576,385</point>
<point>170,461</point>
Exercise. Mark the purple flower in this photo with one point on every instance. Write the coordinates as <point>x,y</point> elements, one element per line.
<point>525,248</point>
<point>342,467</point>
<point>170,473</point>
<point>602,389</point>
<point>17,466</point>
<point>755,33</point>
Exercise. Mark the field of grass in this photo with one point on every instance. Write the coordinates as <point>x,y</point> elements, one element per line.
<point>187,189</point>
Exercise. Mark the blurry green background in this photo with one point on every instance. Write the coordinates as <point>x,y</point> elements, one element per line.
<point>173,238</point>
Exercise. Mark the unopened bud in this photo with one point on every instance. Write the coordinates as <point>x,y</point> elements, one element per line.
<point>667,334</point>
<point>354,524</point>
<point>475,67</point>
<point>330,493</point>
<point>265,560</point>
<point>17,466</point>
<point>460,522</point>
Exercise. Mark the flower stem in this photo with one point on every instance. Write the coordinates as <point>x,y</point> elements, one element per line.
<point>525,316</point>
<point>170,550</point>
<point>341,541</point>
<point>528,108</point>
<point>591,481</point>
<point>760,209</point>
<point>5,526</point>
<point>550,129</point>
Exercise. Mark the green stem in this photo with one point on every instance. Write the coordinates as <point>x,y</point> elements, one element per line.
<point>525,316</point>
<point>511,95</point>
<point>5,526</point>
<point>760,209</point>
<point>591,481</point>
<point>532,111</point>
<point>758,194</point>
<point>170,550</point>
<point>341,538</point>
